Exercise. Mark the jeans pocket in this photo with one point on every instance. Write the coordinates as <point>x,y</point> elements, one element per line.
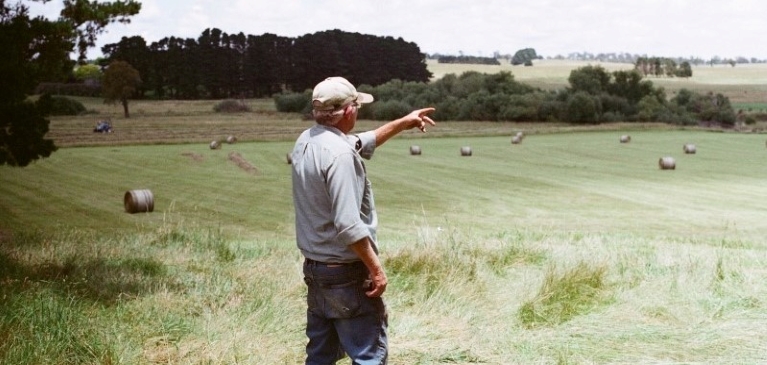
<point>342,300</point>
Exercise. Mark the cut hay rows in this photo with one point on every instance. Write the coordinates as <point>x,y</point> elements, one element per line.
<point>194,156</point>
<point>242,163</point>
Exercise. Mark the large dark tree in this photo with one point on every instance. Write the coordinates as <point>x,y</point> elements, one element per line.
<point>36,49</point>
<point>120,83</point>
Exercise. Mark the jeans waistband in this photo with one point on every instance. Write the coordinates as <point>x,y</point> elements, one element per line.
<point>315,262</point>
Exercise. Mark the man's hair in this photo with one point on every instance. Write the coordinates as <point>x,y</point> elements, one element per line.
<point>328,117</point>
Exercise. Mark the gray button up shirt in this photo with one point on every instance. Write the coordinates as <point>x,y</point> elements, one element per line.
<point>331,193</point>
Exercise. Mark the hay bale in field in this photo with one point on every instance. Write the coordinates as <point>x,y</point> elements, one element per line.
<point>138,201</point>
<point>465,151</point>
<point>689,148</point>
<point>215,145</point>
<point>667,163</point>
<point>516,139</point>
<point>289,159</point>
<point>520,135</point>
<point>625,138</point>
<point>231,139</point>
<point>415,150</point>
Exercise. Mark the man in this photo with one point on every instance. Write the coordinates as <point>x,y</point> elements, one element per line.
<point>336,225</point>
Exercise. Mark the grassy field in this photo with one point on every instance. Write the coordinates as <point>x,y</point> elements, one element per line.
<point>569,248</point>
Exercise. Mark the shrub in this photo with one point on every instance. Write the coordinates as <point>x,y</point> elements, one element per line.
<point>293,102</point>
<point>581,108</point>
<point>231,106</point>
<point>389,110</point>
<point>59,105</point>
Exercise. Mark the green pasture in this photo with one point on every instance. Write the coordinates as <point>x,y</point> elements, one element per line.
<point>569,248</point>
<point>564,182</point>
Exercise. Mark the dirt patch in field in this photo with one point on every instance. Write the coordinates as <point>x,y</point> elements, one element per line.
<point>194,156</point>
<point>242,163</point>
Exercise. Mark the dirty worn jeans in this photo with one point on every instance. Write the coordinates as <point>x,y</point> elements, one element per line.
<point>340,318</point>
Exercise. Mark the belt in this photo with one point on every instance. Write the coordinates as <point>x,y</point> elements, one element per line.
<point>315,262</point>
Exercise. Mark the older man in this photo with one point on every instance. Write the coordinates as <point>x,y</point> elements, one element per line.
<point>336,225</point>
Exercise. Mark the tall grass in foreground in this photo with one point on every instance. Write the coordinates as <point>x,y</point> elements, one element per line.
<point>184,295</point>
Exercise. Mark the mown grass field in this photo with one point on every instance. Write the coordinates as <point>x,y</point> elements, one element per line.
<point>569,248</point>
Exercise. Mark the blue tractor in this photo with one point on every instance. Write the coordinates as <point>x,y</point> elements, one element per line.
<point>103,126</point>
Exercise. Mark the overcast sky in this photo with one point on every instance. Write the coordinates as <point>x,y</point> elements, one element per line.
<point>666,28</point>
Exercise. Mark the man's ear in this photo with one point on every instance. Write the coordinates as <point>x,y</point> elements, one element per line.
<point>348,110</point>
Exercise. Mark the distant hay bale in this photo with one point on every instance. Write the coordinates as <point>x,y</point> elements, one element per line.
<point>138,201</point>
<point>516,139</point>
<point>289,159</point>
<point>689,149</point>
<point>231,139</point>
<point>520,135</point>
<point>215,145</point>
<point>625,138</point>
<point>667,163</point>
<point>415,150</point>
<point>465,151</point>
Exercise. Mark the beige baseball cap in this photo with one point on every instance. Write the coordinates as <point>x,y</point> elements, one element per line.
<point>336,92</point>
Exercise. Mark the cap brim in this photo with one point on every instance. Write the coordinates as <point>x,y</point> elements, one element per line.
<point>364,98</point>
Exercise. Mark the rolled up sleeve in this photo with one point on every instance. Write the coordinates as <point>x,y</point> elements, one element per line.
<point>367,144</point>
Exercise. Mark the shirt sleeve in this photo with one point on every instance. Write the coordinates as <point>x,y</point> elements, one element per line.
<point>366,144</point>
<point>346,184</point>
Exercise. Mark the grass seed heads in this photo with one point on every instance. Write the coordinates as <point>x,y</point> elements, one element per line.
<point>667,163</point>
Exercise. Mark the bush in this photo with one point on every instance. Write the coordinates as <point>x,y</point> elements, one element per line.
<point>581,108</point>
<point>231,106</point>
<point>59,105</point>
<point>389,110</point>
<point>293,102</point>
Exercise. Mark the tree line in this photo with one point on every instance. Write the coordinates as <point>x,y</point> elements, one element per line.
<point>594,96</point>
<point>218,65</point>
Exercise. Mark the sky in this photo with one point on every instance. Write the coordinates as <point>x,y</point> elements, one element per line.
<point>663,28</point>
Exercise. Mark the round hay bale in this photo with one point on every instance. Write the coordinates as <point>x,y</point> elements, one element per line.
<point>625,138</point>
<point>667,163</point>
<point>415,150</point>
<point>516,139</point>
<point>138,201</point>
<point>215,145</point>
<point>289,159</point>
<point>465,151</point>
<point>231,139</point>
<point>689,149</point>
<point>520,135</point>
